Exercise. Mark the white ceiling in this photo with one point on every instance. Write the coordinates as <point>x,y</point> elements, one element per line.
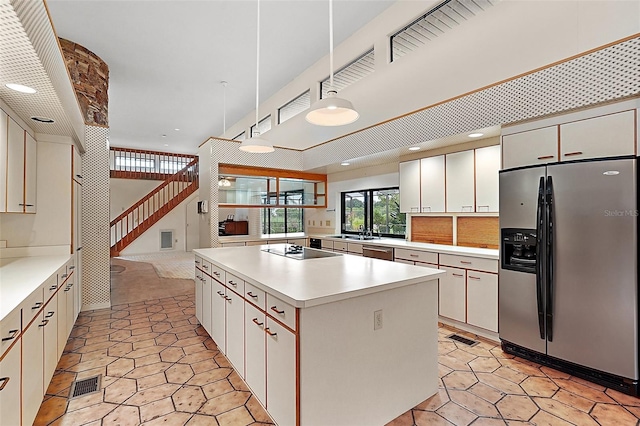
<point>167,58</point>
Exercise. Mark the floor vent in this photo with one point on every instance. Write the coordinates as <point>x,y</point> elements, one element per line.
<point>464,340</point>
<point>85,386</point>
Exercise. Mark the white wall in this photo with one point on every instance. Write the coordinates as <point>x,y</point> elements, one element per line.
<point>175,220</point>
<point>123,193</point>
<point>51,225</point>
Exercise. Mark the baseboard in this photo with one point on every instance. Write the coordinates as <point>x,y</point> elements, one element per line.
<point>95,306</point>
<point>489,335</point>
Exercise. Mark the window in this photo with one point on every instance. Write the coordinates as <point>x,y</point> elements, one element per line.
<point>134,164</point>
<point>172,166</point>
<point>350,73</point>
<point>264,126</point>
<point>377,210</point>
<point>294,107</point>
<point>277,220</point>
<point>242,136</point>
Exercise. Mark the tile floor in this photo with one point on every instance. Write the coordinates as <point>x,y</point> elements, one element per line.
<point>160,367</point>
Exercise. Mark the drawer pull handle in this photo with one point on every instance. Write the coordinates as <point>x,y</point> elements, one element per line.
<point>64,275</point>
<point>414,255</point>
<point>270,333</point>
<point>50,314</point>
<point>221,294</point>
<point>26,205</point>
<point>275,309</point>
<point>233,284</point>
<point>206,267</point>
<point>227,298</point>
<point>197,262</point>
<point>12,335</point>
<point>4,381</point>
<point>464,262</point>
<point>67,288</point>
<point>53,287</point>
<point>569,154</point>
<point>44,323</point>
<point>545,157</point>
<point>80,176</point>
<point>255,296</point>
<point>471,277</point>
<point>457,275</point>
<point>37,305</point>
<point>72,267</point>
<point>258,323</point>
<point>217,274</point>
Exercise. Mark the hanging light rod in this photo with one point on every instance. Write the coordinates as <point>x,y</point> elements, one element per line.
<point>332,110</point>
<point>255,143</point>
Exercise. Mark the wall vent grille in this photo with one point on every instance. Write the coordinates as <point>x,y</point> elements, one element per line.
<point>350,73</point>
<point>442,18</point>
<point>85,387</point>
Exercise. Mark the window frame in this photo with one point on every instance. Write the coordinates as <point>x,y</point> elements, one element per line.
<point>368,210</point>
<point>266,214</point>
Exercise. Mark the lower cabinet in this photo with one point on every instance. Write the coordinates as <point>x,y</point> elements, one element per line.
<point>10,379</point>
<point>207,288</point>
<point>452,294</point>
<point>482,300</point>
<point>50,325</point>
<point>32,369</point>
<point>255,373</point>
<point>62,326</point>
<point>235,330</point>
<point>281,373</point>
<point>69,293</point>
<point>218,316</point>
<point>198,281</point>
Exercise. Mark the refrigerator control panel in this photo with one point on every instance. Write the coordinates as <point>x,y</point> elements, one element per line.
<point>519,249</point>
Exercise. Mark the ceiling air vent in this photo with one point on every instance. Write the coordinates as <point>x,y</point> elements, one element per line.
<point>434,23</point>
<point>350,73</point>
<point>42,119</point>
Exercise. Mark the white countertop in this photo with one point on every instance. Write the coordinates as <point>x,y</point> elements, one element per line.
<point>440,248</point>
<point>310,282</point>
<point>20,276</point>
<point>265,238</point>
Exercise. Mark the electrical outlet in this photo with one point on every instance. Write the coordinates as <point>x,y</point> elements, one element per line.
<point>320,223</point>
<point>377,320</point>
<point>328,223</point>
<point>314,223</point>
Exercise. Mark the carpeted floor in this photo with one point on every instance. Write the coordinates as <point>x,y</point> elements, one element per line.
<point>167,264</point>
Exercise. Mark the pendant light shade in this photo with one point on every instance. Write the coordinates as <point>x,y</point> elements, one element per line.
<point>332,110</point>
<point>255,143</point>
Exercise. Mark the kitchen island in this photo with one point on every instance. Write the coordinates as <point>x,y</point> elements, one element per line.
<point>340,340</point>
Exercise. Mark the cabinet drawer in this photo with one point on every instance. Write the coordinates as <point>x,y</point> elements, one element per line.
<point>354,248</point>
<point>62,275</point>
<point>71,265</point>
<point>468,262</point>
<point>254,295</point>
<point>31,306</point>
<point>340,245</point>
<point>327,244</point>
<point>482,300</point>
<point>50,287</point>
<point>281,311</point>
<point>199,262</point>
<point>9,329</point>
<point>408,262</point>
<point>416,255</point>
<point>217,273</point>
<point>206,266</point>
<point>234,283</point>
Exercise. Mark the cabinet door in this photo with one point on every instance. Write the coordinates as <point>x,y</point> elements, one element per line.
<point>218,317</point>
<point>51,316</point>
<point>432,184</point>
<point>32,369</point>
<point>69,292</point>
<point>607,136</point>
<point>410,187</point>
<point>487,166</point>
<point>460,185</point>
<point>281,373</point>
<point>199,280</point>
<point>30,174</point>
<point>537,146</point>
<point>4,127</point>
<point>452,294</point>
<point>10,387</point>
<point>207,301</point>
<point>62,326</point>
<point>256,363</point>
<point>482,300</point>
<point>15,168</point>
<point>235,330</point>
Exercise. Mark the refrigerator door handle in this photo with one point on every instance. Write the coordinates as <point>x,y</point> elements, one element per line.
<point>539,251</point>
<point>550,242</point>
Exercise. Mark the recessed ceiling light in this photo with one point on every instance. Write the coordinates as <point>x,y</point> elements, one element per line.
<point>177,130</point>
<point>414,148</point>
<point>21,88</point>
<point>475,135</point>
<point>42,119</point>
<point>164,136</point>
<point>166,144</point>
<point>344,163</point>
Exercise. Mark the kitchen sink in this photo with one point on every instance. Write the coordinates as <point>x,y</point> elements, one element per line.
<point>353,237</point>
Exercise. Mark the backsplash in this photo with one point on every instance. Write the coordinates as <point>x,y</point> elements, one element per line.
<point>467,231</point>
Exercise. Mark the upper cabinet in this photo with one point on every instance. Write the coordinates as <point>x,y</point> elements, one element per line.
<point>460,182</point>
<point>17,167</point>
<point>487,166</point>
<point>607,131</point>
<point>432,184</point>
<point>410,186</point>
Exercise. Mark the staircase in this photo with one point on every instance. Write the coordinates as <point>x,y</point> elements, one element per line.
<point>143,214</point>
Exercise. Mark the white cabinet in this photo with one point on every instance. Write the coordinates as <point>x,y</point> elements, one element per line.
<point>531,147</point>
<point>606,136</point>
<point>32,369</point>
<point>432,184</point>
<point>255,354</point>
<point>50,351</point>
<point>460,181</point>
<point>482,300</point>
<point>326,244</point>
<point>218,313</point>
<point>4,126</point>
<point>235,330</point>
<point>10,379</point>
<point>207,289</point>
<point>452,294</point>
<point>281,373</point>
<point>29,174</point>
<point>199,283</point>
<point>410,187</point>
<point>19,169</point>
<point>415,256</point>
<point>69,293</point>
<point>487,167</point>
<point>62,326</point>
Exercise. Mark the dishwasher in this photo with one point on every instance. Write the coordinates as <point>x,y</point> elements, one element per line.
<point>384,253</point>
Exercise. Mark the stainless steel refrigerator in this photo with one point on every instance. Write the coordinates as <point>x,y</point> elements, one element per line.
<point>568,283</point>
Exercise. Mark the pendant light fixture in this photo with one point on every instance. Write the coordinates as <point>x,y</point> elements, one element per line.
<point>256,143</point>
<point>332,110</point>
